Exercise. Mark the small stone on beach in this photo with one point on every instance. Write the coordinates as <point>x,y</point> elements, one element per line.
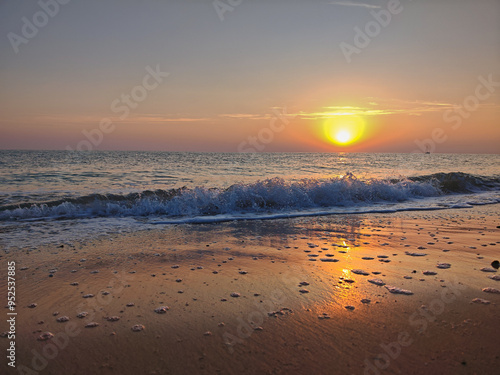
<point>376,282</point>
<point>429,273</point>
<point>396,290</point>
<point>360,272</point>
<point>480,300</point>
<point>443,265</point>
<point>161,309</point>
<point>137,328</point>
<point>45,336</point>
<point>491,290</point>
<point>415,254</point>
<point>488,269</point>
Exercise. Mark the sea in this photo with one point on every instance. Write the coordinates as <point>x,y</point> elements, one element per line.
<point>56,197</point>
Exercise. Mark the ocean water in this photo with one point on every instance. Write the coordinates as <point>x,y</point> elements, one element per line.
<point>60,196</point>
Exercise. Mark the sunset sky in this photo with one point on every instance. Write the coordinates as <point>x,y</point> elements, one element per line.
<point>431,70</point>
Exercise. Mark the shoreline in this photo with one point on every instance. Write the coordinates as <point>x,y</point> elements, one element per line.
<point>306,332</point>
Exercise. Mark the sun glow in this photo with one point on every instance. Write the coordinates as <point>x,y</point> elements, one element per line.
<point>343,136</point>
<point>344,130</point>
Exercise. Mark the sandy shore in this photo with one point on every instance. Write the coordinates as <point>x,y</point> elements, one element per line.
<point>235,304</point>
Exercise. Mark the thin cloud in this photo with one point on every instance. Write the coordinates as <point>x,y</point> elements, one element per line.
<point>352,4</point>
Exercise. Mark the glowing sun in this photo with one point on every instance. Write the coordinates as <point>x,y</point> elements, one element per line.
<point>344,130</point>
<point>343,136</point>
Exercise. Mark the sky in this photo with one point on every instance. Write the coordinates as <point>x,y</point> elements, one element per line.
<point>251,75</point>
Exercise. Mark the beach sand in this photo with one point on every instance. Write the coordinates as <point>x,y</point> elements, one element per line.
<point>236,304</point>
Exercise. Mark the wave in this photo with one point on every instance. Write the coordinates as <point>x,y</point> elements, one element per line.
<point>274,196</point>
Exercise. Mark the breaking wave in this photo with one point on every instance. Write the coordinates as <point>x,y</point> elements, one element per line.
<point>271,196</point>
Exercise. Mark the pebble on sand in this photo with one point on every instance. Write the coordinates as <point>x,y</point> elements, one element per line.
<point>332,260</point>
<point>208,333</point>
<point>32,305</point>
<point>360,272</point>
<point>367,258</point>
<point>112,318</point>
<point>376,282</point>
<point>235,295</point>
<point>82,315</point>
<point>283,311</point>
<point>62,319</point>
<point>429,273</point>
<point>415,254</point>
<point>397,290</point>
<point>88,295</point>
<point>91,325</point>
<point>488,269</point>
<point>74,284</point>
<point>443,265</point>
<point>45,336</point>
<point>480,300</point>
<point>491,290</point>
<point>137,328</point>
<point>130,304</point>
<point>162,309</point>
<point>495,277</point>
<point>366,300</point>
<point>349,307</point>
<point>303,291</point>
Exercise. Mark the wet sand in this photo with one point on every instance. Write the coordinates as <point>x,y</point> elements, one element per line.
<point>267,297</point>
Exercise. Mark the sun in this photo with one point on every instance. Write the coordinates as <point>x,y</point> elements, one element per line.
<point>344,130</point>
<point>343,136</point>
